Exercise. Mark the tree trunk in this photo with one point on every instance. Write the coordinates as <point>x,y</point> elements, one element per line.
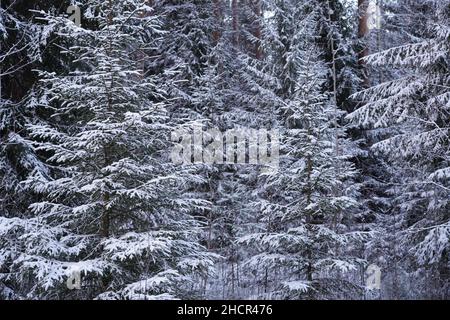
<point>235,21</point>
<point>217,10</point>
<point>258,30</point>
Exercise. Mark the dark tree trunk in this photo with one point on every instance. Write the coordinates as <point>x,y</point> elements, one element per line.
<point>235,21</point>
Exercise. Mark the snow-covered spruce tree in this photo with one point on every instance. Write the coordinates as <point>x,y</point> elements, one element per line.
<point>221,85</point>
<point>415,107</point>
<point>250,100</point>
<point>338,44</point>
<point>186,48</point>
<point>113,207</point>
<point>195,46</point>
<point>304,247</point>
<point>341,49</point>
<point>19,53</point>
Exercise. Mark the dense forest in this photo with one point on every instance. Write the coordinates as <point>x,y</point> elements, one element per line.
<point>352,98</point>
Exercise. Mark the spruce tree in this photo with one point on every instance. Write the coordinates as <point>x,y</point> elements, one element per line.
<point>112,208</point>
<point>305,244</point>
<point>414,108</point>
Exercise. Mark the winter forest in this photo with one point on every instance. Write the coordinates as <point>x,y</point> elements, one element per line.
<point>95,95</point>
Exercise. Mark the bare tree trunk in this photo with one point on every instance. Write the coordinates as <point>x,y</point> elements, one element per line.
<point>235,21</point>
<point>217,10</point>
<point>257,9</point>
